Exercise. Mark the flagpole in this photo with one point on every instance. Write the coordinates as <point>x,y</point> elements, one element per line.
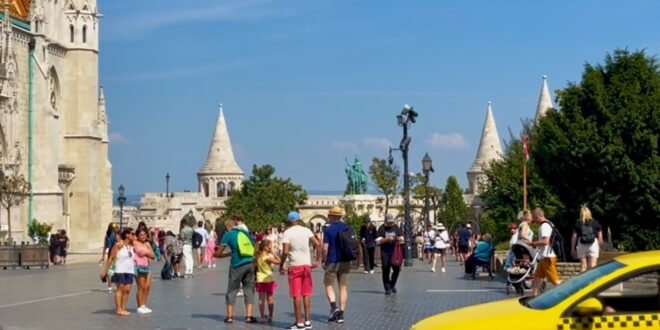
<point>525,159</point>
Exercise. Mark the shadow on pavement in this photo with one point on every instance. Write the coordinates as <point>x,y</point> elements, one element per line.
<point>105,311</point>
<point>214,317</point>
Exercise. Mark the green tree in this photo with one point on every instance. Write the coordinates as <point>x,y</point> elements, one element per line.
<point>386,178</point>
<point>601,148</point>
<point>264,199</point>
<point>14,189</point>
<point>453,208</point>
<point>421,190</point>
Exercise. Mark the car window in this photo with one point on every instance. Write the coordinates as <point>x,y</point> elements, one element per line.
<point>638,293</point>
<point>555,296</point>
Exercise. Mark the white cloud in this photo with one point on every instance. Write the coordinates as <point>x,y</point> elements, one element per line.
<point>345,146</point>
<point>377,143</point>
<point>147,21</point>
<point>117,138</point>
<point>452,141</point>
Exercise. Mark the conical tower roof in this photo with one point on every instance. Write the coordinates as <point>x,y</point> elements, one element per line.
<point>221,155</point>
<point>490,147</point>
<point>545,101</point>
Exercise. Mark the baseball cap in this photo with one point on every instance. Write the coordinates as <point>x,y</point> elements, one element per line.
<point>468,226</point>
<point>389,218</point>
<point>293,216</point>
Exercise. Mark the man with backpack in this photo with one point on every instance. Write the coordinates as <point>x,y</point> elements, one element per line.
<point>199,242</point>
<point>547,267</point>
<point>241,270</point>
<point>337,255</point>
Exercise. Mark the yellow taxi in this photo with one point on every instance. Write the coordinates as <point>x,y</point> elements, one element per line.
<point>623,293</point>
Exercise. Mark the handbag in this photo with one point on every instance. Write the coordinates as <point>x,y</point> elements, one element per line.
<point>397,256</point>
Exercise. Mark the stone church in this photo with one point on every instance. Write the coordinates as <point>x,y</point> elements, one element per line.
<point>53,121</point>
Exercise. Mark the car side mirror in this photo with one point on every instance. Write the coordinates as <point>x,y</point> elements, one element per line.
<point>589,307</point>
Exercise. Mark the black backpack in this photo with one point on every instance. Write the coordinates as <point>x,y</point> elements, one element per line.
<point>197,240</point>
<point>349,246</point>
<point>557,242</point>
<point>587,234</point>
<point>166,272</point>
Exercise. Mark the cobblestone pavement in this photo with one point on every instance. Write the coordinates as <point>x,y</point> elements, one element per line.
<point>72,297</point>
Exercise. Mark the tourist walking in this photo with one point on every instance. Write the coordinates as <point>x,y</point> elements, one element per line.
<point>241,270</point>
<point>63,246</point>
<point>186,235</point>
<point>209,259</point>
<point>389,235</point>
<point>109,243</point>
<point>464,237</point>
<point>587,239</point>
<point>122,255</point>
<point>335,268</point>
<point>144,253</point>
<point>173,253</point>
<point>296,242</point>
<point>201,250</point>
<point>54,247</point>
<point>547,267</point>
<point>525,232</point>
<point>441,245</point>
<point>368,233</point>
<point>429,244</point>
<point>266,284</point>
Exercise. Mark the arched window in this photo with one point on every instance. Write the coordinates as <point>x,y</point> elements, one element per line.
<point>221,189</point>
<point>230,188</point>
<point>206,189</point>
<point>84,36</point>
<point>72,32</point>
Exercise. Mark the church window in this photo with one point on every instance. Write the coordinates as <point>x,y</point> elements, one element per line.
<point>84,34</point>
<point>205,187</point>
<point>72,31</point>
<point>221,189</point>
<point>230,188</point>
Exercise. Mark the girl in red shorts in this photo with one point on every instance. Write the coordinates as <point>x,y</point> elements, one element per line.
<point>266,285</point>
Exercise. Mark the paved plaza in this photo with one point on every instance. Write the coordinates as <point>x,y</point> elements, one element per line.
<point>72,297</point>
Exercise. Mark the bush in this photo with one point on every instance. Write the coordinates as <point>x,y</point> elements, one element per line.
<point>38,231</point>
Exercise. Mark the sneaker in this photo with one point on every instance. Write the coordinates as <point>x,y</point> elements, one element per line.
<point>371,271</point>
<point>308,325</point>
<point>394,290</point>
<point>388,292</point>
<point>143,310</point>
<point>296,326</point>
<point>443,269</point>
<point>432,270</point>
<point>366,272</point>
<point>334,314</point>
<point>340,318</point>
<point>213,265</point>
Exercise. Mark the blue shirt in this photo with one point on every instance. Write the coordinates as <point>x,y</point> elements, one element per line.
<point>331,237</point>
<point>463,237</point>
<point>483,251</point>
<point>230,239</point>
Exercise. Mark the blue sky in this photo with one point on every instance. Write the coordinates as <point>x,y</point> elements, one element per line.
<point>306,84</point>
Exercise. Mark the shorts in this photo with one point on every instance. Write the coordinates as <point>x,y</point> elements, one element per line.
<point>429,249</point>
<point>588,250</point>
<point>339,271</point>
<point>300,281</point>
<point>175,259</point>
<point>547,268</point>
<point>463,248</point>
<point>266,287</point>
<point>442,251</point>
<point>122,278</point>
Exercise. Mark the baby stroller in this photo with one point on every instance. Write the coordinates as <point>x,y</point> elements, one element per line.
<point>520,274</point>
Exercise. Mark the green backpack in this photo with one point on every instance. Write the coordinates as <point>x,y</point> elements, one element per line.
<point>245,246</point>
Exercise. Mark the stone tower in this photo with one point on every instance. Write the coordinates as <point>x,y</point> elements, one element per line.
<point>220,175</point>
<point>490,149</point>
<point>545,101</point>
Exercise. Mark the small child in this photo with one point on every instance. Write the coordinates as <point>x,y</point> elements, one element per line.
<point>266,285</point>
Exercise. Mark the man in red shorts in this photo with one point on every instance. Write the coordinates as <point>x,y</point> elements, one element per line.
<point>296,242</point>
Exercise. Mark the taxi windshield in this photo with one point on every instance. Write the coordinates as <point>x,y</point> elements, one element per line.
<point>556,295</point>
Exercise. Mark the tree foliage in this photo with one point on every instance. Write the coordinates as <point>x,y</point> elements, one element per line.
<point>14,189</point>
<point>601,149</point>
<point>386,178</point>
<point>453,208</point>
<point>265,200</point>
<point>421,190</point>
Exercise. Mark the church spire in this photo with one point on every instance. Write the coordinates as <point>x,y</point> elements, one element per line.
<point>490,149</point>
<point>102,121</point>
<point>220,159</point>
<point>545,101</point>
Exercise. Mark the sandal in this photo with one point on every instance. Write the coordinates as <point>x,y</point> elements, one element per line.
<point>229,320</point>
<point>250,319</point>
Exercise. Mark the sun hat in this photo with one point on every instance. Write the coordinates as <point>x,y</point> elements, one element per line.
<point>336,211</point>
<point>293,216</point>
<point>468,226</point>
<point>440,226</point>
<point>389,218</point>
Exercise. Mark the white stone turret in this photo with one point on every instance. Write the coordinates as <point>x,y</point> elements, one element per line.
<point>220,174</point>
<point>545,101</point>
<point>490,149</point>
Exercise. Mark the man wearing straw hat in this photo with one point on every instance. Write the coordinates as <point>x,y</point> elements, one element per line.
<point>334,267</point>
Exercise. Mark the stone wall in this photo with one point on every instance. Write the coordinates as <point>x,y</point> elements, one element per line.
<point>568,270</point>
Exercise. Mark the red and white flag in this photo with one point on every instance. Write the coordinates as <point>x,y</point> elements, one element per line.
<point>526,147</point>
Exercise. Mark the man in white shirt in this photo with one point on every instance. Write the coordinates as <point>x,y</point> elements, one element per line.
<point>205,236</point>
<point>547,267</point>
<point>296,242</point>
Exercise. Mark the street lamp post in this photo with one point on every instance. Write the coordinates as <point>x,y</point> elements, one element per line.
<point>167,185</point>
<point>407,117</point>
<point>427,168</point>
<point>121,200</point>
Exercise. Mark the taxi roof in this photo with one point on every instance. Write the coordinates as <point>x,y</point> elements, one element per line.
<point>647,258</point>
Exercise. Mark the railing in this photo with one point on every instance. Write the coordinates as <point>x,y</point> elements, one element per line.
<point>23,256</point>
